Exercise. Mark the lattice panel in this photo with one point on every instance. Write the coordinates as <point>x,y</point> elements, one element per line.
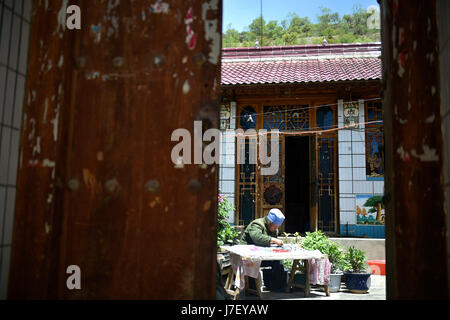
<point>326,184</point>
<point>247,183</point>
<point>286,117</point>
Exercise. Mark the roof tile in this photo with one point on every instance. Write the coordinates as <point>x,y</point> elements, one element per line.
<point>300,64</point>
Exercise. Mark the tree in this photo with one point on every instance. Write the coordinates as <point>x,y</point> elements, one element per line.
<point>273,31</point>
<point>230,38</point>
<point>256,28</point>
<point>357,22</point>
<point>290,38</point>
<point>355,27</point>
<point>328,22</point>
<point>299,25</point>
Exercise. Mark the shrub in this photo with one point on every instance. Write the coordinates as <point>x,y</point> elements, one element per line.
<point>226,234</point>
<point>355,260</point>
<point>319,241</point>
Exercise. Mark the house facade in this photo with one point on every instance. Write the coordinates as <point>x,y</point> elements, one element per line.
<point>324,102</point>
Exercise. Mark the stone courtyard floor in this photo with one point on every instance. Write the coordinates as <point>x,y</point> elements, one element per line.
<point>377,291</point>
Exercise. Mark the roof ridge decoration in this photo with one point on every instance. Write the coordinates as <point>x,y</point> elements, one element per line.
<point>302,52</point>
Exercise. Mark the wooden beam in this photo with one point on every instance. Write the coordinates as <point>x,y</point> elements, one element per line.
<point>101,192</point>
<point>415,216</point>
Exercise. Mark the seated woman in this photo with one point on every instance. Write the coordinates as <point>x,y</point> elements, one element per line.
<point>263,232</point>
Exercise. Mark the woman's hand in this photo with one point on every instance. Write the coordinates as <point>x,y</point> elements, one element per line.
<point>276,241</point>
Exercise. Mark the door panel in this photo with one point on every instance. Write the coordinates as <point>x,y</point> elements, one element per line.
<point>326,183</point>
<point>272,192</point>
<point>313,183</point>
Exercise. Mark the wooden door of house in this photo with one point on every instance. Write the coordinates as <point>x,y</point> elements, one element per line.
<point>271,187</point>
<point>326,170</point>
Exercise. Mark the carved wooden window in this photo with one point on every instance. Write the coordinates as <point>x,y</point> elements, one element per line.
<point>286,117</point>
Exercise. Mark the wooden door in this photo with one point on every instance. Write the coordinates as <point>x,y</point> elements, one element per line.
<point>326,183</point>
<point>101,191</point>
<point>313,213</point>
<point>271,187</point>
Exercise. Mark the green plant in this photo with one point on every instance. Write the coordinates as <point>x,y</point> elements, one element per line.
<point>226,234</point>
<point>292,237</point>
<point>335,256</point>
<point>315,241</point>
<point>319,241</point>
<point>355,260</point>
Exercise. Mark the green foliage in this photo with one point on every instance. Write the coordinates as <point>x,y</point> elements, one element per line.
<point>300,30</point>
<point>355,260</point>
<point>336,256</point>
<point>226,234</point>
<point>319,241</point>
<point>315,241</point>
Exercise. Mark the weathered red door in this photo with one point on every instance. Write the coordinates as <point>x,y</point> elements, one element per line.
<point>102,192</point>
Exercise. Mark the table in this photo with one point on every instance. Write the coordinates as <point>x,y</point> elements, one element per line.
<point>246,259</point>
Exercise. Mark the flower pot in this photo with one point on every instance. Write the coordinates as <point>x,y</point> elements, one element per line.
<point>357,282</point>
<point>335,282</point>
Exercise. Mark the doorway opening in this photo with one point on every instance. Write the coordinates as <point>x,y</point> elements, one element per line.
<point>297,184</point>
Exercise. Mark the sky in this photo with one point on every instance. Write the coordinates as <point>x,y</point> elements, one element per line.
<point>240,13</point>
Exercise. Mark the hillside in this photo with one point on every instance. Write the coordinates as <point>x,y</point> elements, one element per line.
<point>360,26</point>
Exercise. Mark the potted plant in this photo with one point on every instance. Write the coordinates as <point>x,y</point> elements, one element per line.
<point>336,257</point>
<point>357,277</point>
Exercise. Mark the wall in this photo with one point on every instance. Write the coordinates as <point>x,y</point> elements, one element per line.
<point>444,58</point>
<point>352,177</point>
<point>15,17</point>
<point>227,161</point>
<point>374,249</point>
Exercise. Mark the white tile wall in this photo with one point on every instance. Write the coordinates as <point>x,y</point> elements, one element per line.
<point>227,186</point>
<point>347,204</point>
<point>378,187</point>
<point>358,135</point>
<point>347,217</point>
<point>345,160</point>
<point>345,174</point>
<point>352,167</point>
<point>345,148</point>
<point>359,174</point>
<point>359,161</point>
<point>358,148</point>
<point>345,135</point>
<point>227,159</point>
<point>345,187</point>
<point>227,164</point>
<point>363,187</point>
<point>227,173</point>
<point>15,17</point>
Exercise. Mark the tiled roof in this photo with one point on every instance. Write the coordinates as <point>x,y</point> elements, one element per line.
<point>307,63</point>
